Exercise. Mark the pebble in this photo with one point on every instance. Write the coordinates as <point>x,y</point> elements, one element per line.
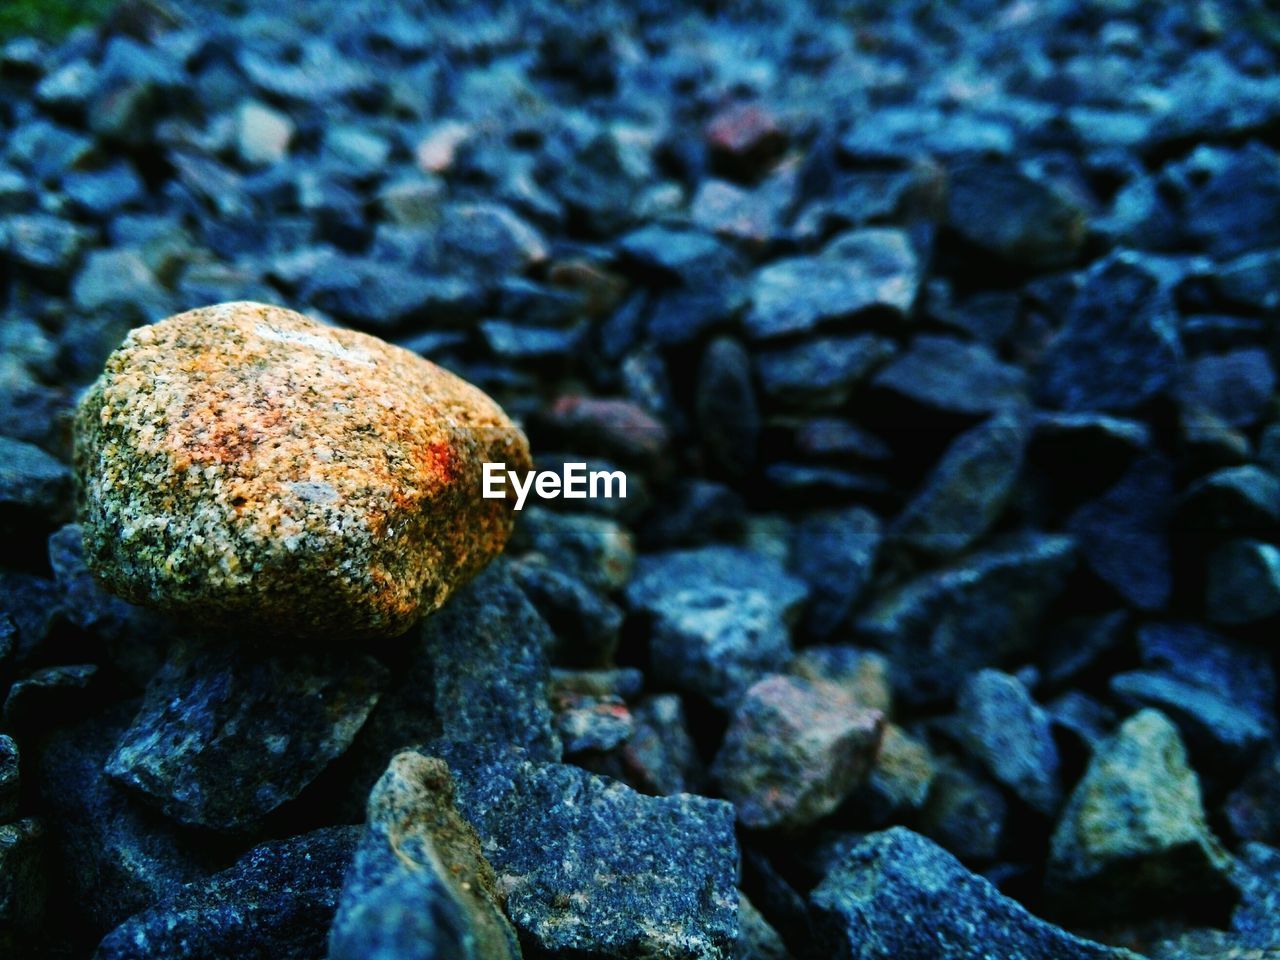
<point>195,481</point>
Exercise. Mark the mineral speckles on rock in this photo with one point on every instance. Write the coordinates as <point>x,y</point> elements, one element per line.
<point>247,463</point>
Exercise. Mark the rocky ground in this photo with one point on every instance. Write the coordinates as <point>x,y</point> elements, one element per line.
<point>938,343</point>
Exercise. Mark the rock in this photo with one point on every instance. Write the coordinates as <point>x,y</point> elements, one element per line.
<point>900,780</point>
<point>1236,387</point>
<point>974,613</point>
<point>859,272</point>
<point>661,578</point>
<point>744,139</point>
<point>967,490</point>
<point>1243,582</point>
<point>262,134</point>
<point>277,901</point>
<point>596,550</point>
<point>412,201</point>
<point>1009,734</point>
<point>757,940</point>
<point>820,372</point>
<point>1252,809</point>
<point>660,757</point>
<point>102,194</point>
<point>862,675</point>
<point>10,786</point>
<point>43,243</point>
<point>1133,831</point>
<point>871,905</point>
<point>25,872</point>
<point>948,375</point>
<point>794,751</point>
<point>1235,205</point>
<point>1219,693</point>
<point>1124,534</point>
<point>225,734</point>
<point>254,492</point>
<point>51,696</point>
<point>486,240</point>
<point>585,624</point>
<point>34,489</point>
<point>1082,720</point>
<point>717,641</point>
<point>611,873</point>
<point>692,513</point>
<point>1233,501</point>
<point>120,857</point>
<point>726,409</point>
<point>1119,347</point>
<point>834,552</point>
<point>612,428</point>
<point>418,886</point>
<point>117,280</point>
<point>964,813</point>
<point>1024,220</point>
<point>590,723</point>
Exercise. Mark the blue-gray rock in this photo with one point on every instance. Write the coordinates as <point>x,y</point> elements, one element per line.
<point>25,880</point>
<point>1133,832</point>
<point>898,896</point>
<point>35,489</point>
<point>1255,919</point>
<point>1124,534</point>
<point>1252,280</point>
<point>1081,719</point>
<point>10,784</point>
<point>120,856</point>
<point>794,751</point>
<point>43,243</point>
<point>226,734</point>
<point>725,405</point>
<point>834,552</point>
<point>974,613</point>
<point>418,887</point>
<point>586,625</point>
<point>757,940</point>
<point>599,551</point>
<point>593,869</point>
<point>1009,734</point>
<point>820,372</point>
<point>1119,347</point>
<point>863,675</point>
<point>856,273</point>
<point>967,490</point>
<point>717,641</point>
<point>660,756</point>
<point>951,376</point>
<point>1236,387</point>
<point>1234,501</point>
<point>1235,206</point>
<point>104,193</point>
<point>691,513</point>
<point>51,696</point>
<point>1025,220</point>
<point>661,577</point>
<point>275,903</point>
<point>1243,582</point>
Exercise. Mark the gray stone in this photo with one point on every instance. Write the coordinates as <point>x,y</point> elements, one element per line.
<point>820,372</point>
<point>1243,582</point>
<point>949,375</point>
<point>10,785</point>
<point>835,553</point>
<point>226,734</point>
<point>898,896</point>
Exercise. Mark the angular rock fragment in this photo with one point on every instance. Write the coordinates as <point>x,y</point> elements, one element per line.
<point>418,887</point>
<point>898,896</point>
<point>593,869</point>
<point>794,751</point>
<point>244,463</point>
<point>277,901</point>
<point>225,735</point>
<point>1133,832</point>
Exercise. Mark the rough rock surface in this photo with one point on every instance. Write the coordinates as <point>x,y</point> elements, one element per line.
<point>419,887</point>
<point>246,463</point>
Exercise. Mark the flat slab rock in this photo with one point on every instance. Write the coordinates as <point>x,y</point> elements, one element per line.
<point>593,869</point>
<point>246,463</point>
<point>224,736</point>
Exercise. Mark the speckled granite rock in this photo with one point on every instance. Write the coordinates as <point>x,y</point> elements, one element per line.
<point>244,462</point>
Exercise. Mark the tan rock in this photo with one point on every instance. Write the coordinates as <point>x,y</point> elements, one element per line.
<point>249,466</point>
